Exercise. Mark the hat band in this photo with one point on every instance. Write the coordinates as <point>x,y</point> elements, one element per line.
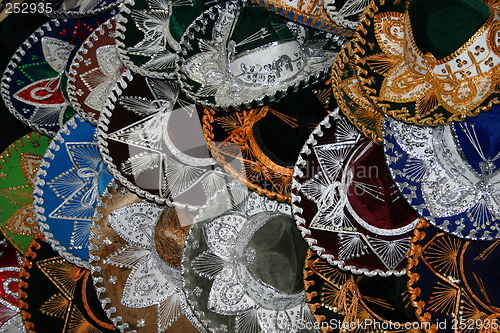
<point>270,64</point>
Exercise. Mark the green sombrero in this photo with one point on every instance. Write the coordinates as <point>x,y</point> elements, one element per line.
<point>428,62</point>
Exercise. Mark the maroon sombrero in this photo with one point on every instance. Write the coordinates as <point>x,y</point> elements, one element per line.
<point>346,204</point>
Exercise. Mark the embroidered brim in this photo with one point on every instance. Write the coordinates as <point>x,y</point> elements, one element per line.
<point>68,184</point>
<point>243,268</point>
<point>94,71</point>
<point>75,8</point>
<point>454,282</point>
<point>148,33</point>
<point>18,166</point>
<point>351,98</point>
<point>57,296</point>
<point>260,146</point>
<point>414,86</point>
<point>346,204</point>
<point>343,301</point>
<point>133,277</point>
<point>152,141</point>
<point>450,174</point>
<point>32,83</point>
<point>313,13</point>
<point>214,71</point>
<point>10,318</point>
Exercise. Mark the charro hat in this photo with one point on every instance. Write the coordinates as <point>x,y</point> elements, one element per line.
<point>454,282</point>
<point>151,139</point>
<point>33,83</point>
<point>450,174</point>
<point>94,71</point>
<point>430,63</point>
<point>136,249</point>
<point>260,146</point>
<point>346,204</point>
<point>313,13</point>
<point>68,183</point>
<point>243,268</point>
<point>18,167</point>
<point>345,13</point>
<point>342,301</point>
<point>239,55</point>
<point>149,31</point>
<point>57,296</point>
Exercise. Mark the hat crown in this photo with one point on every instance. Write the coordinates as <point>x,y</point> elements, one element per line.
<point>442,27</point>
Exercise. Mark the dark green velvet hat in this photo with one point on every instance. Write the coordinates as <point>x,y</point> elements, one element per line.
<point>243,267</point>
<point>430,62</point>
<point>149,31</point>
<point>241,56</point>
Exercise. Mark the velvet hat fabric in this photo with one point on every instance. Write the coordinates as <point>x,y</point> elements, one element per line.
<point>450,174</point>
<point>430,63</point>
<point>76,8</point>
<point>239,55</point>
<point>454,282</point>
<point>260,146</point>
<point>346,204</point>
<point>67,186</point>
<point>57,296</point>
<point>151,139</point>
<point>243,268</point>
<point>34,80</point>
<point>18,167</point>
<point>340,300</point>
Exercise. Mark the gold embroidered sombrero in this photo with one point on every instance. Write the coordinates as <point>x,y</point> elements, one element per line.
<point>260,146</point>
<point>428,62</point>
<point>352,100</point>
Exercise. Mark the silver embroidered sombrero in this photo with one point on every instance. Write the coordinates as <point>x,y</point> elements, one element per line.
<point>346,204</point>
<point>130,273</point>
<point>239,56</point>
<point>151,139</point>
<point>243,268</point>
<point>450,174</point>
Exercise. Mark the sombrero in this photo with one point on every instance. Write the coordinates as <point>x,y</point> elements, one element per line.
<point>454,282</point>
<point>33,79</point>
<point>152,141</point>
<point>346,204</point>
<point>243,268</point>
<point>342,301</point>
<point>57,296</point>
<point>450,174</point>
<point>94,71</point>
<point>67,187</point>
<point>139,282</point>
<point>430,63</point>
<point>241,56</point>
<point>260,146</point>
<point>18,166</point>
